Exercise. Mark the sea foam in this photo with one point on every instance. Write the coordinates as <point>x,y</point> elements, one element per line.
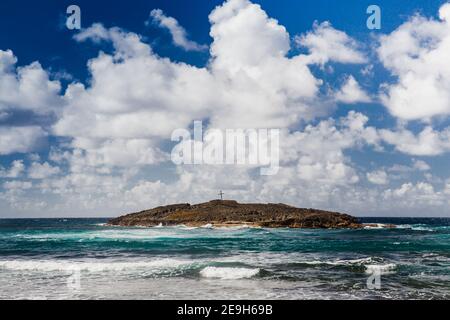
<point>381,268</point>
<point>228,273</point>
<point>90,266</point>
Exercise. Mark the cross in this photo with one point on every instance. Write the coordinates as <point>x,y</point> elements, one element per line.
<point>221,195</point>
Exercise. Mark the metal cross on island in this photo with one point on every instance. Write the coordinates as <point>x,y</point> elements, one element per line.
<point>221,194</point>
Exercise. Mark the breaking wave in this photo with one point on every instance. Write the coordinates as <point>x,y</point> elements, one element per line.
<point>228,273</point>
<point>90,266</point>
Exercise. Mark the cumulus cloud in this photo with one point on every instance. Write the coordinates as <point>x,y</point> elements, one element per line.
<point>379,177</point>
<point>21,139</point>
<point>351,92</point>
<point>178,33</point>
<point>42,170</point>
<point>416,165</point>
<point>126,44</point>
<point>27,87</point>
<point>416,53</point>
<point>136,98</point>
<point>415,196</point>
<point>328,44</point>
<point>254,85</point>
<point>15,171</point>
<point>318,151</point>
<point>421,165</point>
<point>428,142</point>
<point>17,185</point>
<point>259,85</point>
<point>27,90</point>
<point>117,126</point>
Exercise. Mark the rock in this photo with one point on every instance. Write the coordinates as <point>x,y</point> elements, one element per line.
<point>232,213</point>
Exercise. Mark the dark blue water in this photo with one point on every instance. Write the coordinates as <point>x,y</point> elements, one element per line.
<point>84,259</point>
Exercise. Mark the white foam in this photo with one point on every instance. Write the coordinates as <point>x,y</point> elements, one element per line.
<point>236,227</point>
<point>228,273</point>
<point>417,227</point>
<point>349,262</point>
<point>422,229</point>
<point>184,227</point>
<point>380,268</point>
<point>113,235</point>
<point>90,266</point>
<point>376,226</point>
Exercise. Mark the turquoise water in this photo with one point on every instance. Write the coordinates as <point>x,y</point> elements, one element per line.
<point>84,259</point>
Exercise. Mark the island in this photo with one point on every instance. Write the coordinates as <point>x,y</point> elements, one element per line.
<point>228,213</point>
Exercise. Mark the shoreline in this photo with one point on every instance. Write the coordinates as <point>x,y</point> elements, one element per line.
<point>248,224</point>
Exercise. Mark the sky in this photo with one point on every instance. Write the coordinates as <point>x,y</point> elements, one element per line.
<point>87,115</point>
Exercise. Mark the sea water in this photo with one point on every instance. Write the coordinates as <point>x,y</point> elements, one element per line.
<point>86,259</point>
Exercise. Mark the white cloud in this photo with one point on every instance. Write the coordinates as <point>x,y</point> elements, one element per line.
<point>328,44</point>
<point>417,165</point>
<point>119,124</point>
<point>417,54</point>
<point>177,32</point>
<point>351,92</point>
<point>96,33</point>
<point>421,165</point>
<point>318,151</point>
<point>15,171</point>
<point>136,99</point>
<point>27,87</point>
<point>17,185</point>
<point>379,177</point>
<point>258,84</point>
<point>21,139</point>
<point>134,93</point>
<point>244,36</point>
<point>416,196</point>
<point>426,143</point>
<point>42,170</point>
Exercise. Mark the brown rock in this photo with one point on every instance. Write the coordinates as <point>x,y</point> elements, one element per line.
<point>231,213</point>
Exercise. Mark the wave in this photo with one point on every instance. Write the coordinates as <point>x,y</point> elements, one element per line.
<point>91,266</point>
<point>228,273</point>
<point>376,226</point>
<point>381,269</point>
<point>350,262</point>
<point>370,264</point>
<point>270,260</point>
<point>416,227</point>
<point>107,235</point>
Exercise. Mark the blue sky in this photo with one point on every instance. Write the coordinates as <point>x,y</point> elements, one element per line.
<point>86,115</point>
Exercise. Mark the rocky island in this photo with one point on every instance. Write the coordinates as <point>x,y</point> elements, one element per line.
<point>232,213</point>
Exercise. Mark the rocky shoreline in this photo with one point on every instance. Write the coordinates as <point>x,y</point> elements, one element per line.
<point>223,213</point>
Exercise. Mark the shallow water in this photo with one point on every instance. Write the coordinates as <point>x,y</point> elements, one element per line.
<point>84,259</point>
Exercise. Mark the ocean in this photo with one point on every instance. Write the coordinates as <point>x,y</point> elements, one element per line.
<point>85,259</point>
